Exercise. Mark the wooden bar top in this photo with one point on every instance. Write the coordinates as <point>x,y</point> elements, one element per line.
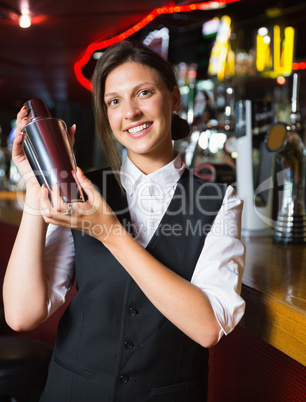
<point>274,286</point>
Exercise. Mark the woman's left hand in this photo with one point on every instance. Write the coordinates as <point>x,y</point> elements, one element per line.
<point>93,217</point>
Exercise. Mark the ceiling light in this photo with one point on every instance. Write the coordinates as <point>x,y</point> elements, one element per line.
<point>25,19</point>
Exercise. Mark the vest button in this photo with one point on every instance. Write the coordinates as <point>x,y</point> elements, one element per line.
<point>124,379</point>
<point>129,345</point>
<point>132,311</point>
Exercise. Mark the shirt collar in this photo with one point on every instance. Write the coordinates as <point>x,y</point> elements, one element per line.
<point>165,177</point>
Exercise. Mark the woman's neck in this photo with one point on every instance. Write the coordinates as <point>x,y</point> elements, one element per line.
<point>151,164</point>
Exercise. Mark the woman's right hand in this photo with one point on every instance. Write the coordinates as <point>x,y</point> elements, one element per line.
<point>18,154</point>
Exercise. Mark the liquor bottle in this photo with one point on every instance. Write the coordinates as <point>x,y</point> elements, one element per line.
<point>286,141</point>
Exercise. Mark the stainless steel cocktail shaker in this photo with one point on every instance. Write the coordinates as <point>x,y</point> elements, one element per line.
<point>49,151</point>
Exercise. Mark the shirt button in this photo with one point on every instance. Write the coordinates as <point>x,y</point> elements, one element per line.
<point>132,311</point>
<point>129,345</point>
<point>124,379</point>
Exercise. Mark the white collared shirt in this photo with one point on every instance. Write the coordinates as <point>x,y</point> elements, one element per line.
<point>219,269</point>
<point>149,196</point>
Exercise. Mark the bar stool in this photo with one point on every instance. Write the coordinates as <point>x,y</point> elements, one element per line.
<point>23,368</point>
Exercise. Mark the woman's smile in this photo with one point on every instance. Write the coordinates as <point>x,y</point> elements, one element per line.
<point>139,130</point>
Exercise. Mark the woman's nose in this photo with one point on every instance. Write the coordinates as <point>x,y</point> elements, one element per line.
<point>131,109</point>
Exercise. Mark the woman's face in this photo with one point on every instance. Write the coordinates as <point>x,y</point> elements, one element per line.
<point>139,109</point>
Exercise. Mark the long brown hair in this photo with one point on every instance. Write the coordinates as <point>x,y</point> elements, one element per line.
<point>114,56</point>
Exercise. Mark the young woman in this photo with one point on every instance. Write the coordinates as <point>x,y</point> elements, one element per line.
<point>156,252</point>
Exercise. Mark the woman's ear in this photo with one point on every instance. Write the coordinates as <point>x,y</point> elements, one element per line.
<point>176,98</point>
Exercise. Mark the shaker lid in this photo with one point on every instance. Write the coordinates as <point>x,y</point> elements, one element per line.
<point>36,108</point>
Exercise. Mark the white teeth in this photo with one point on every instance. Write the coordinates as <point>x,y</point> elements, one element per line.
<point>137,129</point>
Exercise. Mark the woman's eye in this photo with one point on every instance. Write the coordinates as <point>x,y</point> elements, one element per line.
<point>145,92</point>
<point>113,102</point>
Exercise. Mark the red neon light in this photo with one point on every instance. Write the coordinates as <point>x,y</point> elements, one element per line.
<point>78,65</point>
<point>299,66</point>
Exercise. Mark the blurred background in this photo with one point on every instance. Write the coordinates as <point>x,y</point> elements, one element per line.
<point>241,67</point>
<point>40,61</point>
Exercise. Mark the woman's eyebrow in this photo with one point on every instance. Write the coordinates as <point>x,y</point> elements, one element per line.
<point>110,94</point>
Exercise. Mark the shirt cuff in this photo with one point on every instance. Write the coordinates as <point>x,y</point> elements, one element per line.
<point>226,319</point>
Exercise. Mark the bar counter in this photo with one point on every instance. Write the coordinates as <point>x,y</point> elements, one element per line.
<point>273,286</point>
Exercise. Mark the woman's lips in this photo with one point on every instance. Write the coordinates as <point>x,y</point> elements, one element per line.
<point>139,130</point>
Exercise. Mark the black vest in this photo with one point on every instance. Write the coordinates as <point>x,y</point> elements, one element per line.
<point>113,345</point>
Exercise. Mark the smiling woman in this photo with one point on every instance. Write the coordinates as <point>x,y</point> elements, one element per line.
<point>156,252</point>
<point>139,110</point>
